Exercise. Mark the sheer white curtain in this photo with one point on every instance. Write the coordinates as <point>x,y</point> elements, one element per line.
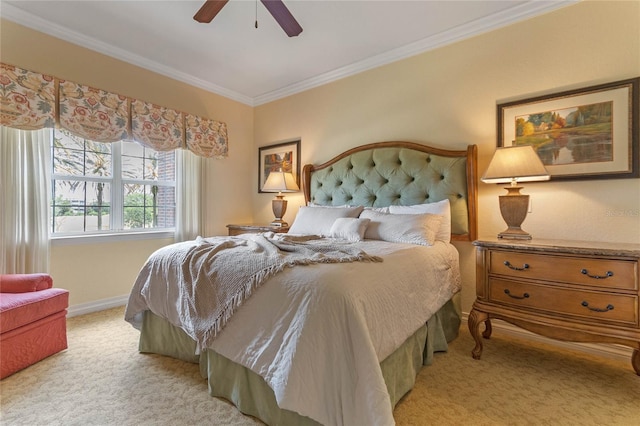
<point>189,184</point>
<point>25,176</point>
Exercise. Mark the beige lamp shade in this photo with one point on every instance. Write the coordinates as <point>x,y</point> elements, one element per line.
<point>279,181</point>
<point>515,164</point>
<point>512,165</point>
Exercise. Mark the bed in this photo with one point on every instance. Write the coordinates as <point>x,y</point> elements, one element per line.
<point>339,340</point>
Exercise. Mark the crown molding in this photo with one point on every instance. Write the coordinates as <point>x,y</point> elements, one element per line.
<point>507,17</point>
<point>29,20</point>
<point>515,14</point>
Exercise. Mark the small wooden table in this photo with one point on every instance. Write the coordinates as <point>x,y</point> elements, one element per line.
<point>255,229</point>
<point>568,290</point>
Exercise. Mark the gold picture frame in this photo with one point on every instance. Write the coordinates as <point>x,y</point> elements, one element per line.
<point>588,133</point>
<point>284,156</point>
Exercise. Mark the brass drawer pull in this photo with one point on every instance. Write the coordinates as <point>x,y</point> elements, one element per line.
<point>515,268</point>
<point>608,308</point>
<point>524,296</point>
<point>597,277</point>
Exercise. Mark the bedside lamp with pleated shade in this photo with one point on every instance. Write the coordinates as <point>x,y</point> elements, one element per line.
<point>513,165</point>
<point>279,181</point>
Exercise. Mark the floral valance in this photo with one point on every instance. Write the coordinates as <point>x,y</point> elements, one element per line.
<point>93,113</point>
<point>27,99</point>
<point>157,127</point>
<point>31,101</point>
<point>206,138</point>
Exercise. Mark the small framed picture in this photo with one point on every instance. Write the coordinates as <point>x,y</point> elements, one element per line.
<point>282,156</point>
<point>589,133</point>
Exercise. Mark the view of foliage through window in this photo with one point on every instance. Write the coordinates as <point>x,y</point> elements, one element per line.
<point>99,187</point>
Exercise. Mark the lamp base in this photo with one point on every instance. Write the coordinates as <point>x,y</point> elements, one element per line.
<point>513,208</point>
<point>279,207</point>
<point>514,234</point>
<point>278,223</point>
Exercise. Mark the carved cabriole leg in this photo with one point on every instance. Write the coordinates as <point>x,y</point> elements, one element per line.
<point>635,361</point>
<point>487,329</point>
<point>475,319</point>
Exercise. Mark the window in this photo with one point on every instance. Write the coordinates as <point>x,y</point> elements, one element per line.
<point>110,187</point>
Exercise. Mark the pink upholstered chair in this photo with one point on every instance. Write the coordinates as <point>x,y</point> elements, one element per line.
<point>33,320</point>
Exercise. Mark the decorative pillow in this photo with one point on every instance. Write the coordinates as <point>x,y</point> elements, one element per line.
<point>378,209</point>
<point>330,207</point>
<point>418,229</point>
<point>349,228</point>
<point>319,220</point>
<point>441,208</point>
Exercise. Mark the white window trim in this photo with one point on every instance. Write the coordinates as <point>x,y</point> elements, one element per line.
<point>108,237</point>
<point>91,237</point>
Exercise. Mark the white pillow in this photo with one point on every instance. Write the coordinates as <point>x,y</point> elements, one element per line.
<point>330,207</point>
<point>349,228</point>
<point>402,228</point>
<point>319,220</point>
<point>442,208</point>
<point>378,209</point>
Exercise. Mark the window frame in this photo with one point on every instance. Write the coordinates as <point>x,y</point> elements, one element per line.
<point>117,184</point>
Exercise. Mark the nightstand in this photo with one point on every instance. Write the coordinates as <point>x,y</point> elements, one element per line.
<point>568,290</point>
<point>255,229</point>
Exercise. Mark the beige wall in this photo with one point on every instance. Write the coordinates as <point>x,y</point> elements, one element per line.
<point>97,272</point>
<point>447,98</point>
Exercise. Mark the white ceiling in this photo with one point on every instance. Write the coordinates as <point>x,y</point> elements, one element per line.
<point>232,58</point>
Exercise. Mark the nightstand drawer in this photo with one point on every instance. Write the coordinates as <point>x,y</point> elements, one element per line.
<point>599,306</point>
<point>603,273</point>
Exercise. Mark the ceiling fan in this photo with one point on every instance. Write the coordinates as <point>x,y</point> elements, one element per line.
<point>278,10</point>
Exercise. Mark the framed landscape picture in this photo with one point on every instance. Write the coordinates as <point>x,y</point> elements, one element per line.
<point>589,133</point>
<point>283,156</point>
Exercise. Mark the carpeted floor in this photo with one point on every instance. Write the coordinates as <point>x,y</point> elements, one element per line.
<point>102,380</point>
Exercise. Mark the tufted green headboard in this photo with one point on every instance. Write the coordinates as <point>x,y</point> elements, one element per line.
<point>403,173</point>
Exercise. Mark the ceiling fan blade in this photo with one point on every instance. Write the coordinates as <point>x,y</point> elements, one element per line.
<point>282,15</point>
<point>209,10</point>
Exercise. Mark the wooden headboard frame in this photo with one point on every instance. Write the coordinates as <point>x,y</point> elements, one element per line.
<point>374,175</point>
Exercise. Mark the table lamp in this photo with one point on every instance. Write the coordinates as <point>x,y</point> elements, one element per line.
<point>279,181</point>
<point>513,165</point>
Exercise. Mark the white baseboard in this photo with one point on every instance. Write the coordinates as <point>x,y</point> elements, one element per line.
<point>98,305</point>
<point>618,352</point>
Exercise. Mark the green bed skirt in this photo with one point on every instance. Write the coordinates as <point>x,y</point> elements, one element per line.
<point>251,394</point>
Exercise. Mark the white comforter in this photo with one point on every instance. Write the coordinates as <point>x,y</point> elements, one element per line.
<point>318,333</point>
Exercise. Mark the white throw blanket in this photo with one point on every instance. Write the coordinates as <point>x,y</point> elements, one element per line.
<point>217,275</point>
